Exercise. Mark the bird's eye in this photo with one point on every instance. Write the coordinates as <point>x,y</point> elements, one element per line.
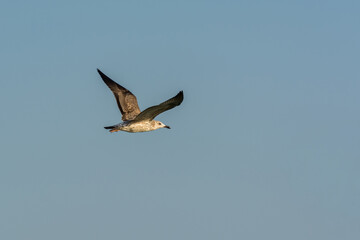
<point>159,123</point>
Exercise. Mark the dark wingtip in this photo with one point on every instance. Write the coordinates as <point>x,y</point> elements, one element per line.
<point>181,96</point>
<point>103,76</point>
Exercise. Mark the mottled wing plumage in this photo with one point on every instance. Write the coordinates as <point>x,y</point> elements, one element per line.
<point>151,112</point>
<point>126,101</point>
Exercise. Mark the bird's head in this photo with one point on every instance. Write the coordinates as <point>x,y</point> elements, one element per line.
<point>159,124</point>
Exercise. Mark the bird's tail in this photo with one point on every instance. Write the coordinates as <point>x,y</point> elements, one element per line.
<point>112,128</point>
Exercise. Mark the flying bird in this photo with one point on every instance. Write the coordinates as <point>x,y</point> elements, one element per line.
<point>133,119</point>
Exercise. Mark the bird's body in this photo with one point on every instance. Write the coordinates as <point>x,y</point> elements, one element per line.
<point>142,126</point>
<point>133,119</point>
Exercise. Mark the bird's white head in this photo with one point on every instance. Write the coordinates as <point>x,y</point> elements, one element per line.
<point>158,124</point>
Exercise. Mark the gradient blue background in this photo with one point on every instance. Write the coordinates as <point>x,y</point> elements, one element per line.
<point>264,146</point>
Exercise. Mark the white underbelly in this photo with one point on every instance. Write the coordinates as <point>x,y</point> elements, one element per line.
<point>137,127</point>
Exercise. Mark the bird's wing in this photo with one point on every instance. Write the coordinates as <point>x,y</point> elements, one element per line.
<point>126,101</point>
<point>151,112</point>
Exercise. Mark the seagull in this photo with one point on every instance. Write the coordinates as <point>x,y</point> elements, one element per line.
<point>133,119</point>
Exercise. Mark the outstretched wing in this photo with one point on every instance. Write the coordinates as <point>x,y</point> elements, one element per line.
<point>151,112</point>
<point>126,101</point>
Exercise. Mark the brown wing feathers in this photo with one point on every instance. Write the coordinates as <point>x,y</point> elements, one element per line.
<point>151,112</point>
<point>126,101</point>
<point>128,105</point>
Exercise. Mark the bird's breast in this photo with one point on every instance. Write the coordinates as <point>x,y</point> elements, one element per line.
<point>137,127</point>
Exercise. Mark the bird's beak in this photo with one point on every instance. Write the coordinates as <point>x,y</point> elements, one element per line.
<point>167,127</point>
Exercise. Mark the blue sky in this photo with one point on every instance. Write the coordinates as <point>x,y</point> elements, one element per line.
<point>264,146</point>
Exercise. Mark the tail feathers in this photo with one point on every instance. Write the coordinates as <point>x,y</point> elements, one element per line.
<point>112,128</point>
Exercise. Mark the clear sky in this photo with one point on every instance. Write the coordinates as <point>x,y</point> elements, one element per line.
<point>264,146</point>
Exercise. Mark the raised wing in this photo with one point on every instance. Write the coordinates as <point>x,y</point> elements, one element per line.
<point>151,112</point>
<point>126,101</point>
